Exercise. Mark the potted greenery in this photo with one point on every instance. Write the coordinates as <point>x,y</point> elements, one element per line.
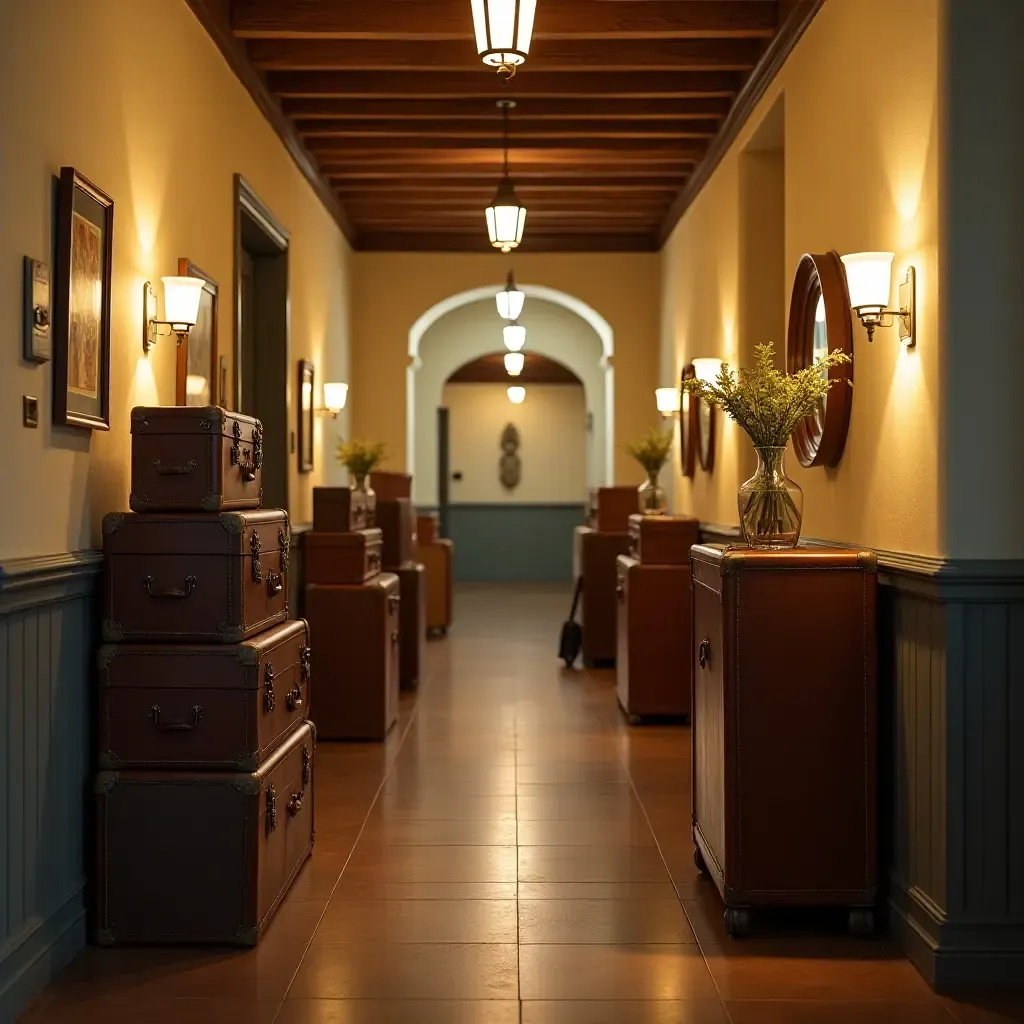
<point>652,452</point>
<point>361,458</point>
<point>768,404</point>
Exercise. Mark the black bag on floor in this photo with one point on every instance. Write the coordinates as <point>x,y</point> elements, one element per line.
<point>572,632</point>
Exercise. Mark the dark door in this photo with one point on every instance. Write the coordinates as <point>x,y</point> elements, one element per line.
<point>443,471</point>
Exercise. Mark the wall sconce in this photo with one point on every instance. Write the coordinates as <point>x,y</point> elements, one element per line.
<point>668,401</point>
<point>707,369</point>
<point>335,397</point>
<point>514,363</point>
<point>181,307</point>
<point>514,336</point>
<point>516,395</point>
<point>868,277</point>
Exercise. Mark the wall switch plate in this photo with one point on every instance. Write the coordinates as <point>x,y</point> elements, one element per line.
<point>29,411</point>
<point>36,344</point>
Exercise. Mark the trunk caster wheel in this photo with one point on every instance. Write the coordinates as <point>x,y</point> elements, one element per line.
<point>698,861</point>
<point>737,922</point>
<point>633,719</point>
<point>861,922</point>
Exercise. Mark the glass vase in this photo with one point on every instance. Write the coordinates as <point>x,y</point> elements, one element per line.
<point>653,500</point>
<point>364,501</point>
<point>771,505</point>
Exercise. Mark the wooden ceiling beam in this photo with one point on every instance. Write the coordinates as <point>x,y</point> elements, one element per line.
<point>484,186</point>
<point>444,132</point>
<point>537,173</point>
<point>473,108</point>
<point>443,19</point>
<point>552,55</point>
<point>462,150</point>
<point>456,84</point>
<point>412,241</point>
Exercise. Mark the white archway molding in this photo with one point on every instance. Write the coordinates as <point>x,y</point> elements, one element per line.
<point>587,313</point>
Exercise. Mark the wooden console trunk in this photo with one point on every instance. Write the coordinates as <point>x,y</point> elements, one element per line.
<point>785,728</point>
<point>594,555</point>
<point>352,557</point>
<point>412,629</point>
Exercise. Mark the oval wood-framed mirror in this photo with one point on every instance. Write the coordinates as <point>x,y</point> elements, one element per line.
<point>820,322</point>
<point>687,425</point>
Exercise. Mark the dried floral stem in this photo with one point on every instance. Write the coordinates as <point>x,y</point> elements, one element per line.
<point>652,451</point>
<point>361,457</point>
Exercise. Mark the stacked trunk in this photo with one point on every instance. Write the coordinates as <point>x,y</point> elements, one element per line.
<point>396,518</point>
<point>204,800</point>
<point>354,605</point>
<point>436,554</point>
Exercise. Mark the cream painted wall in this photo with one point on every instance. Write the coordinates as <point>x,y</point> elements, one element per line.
<point>392,290</point>
<point>552,437</point>
<point>862,160</point>
<point>474,330</point>
<point>144,105</point>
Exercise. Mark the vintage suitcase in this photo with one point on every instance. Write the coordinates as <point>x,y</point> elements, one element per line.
<point>201,857</point>
<point>355,629</point>
<point>187,459</point>
<point>412,627</point>
<point>193,578</point>
<point>202,706</point>
<point>652,660</point>
<point>397,521</point>
<point>595,552</point>
<point>613,506</point>
<point>428,527</point>
<point>340,509</point>
<point>389,486</point>
<point>662,540</point>
<point>352,557</point>
<point>436,556</point>
<point>784,742</point>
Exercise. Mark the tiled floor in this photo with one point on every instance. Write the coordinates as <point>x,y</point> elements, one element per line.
<point>513,853</point>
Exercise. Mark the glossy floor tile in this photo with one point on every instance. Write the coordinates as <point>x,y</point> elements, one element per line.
<point>514,853</point>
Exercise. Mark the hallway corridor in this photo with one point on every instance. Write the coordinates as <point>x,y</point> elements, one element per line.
<point>514,852</point>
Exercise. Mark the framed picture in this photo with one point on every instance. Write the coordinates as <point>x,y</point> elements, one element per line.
<point>197,374</point>
<point>306,380</point>
<point>81,304</point>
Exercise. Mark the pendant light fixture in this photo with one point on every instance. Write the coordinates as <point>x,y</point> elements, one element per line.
<point>503,29</point>
<point>510,300</point>
<point>514,362</point>
<point>506,216</point>
<point>514,336</point>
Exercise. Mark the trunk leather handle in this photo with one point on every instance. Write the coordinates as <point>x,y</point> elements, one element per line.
<point>704,652</point>
<point>294,698</point>
<point>295,804</point>
<point>174,470</point>
<point>190,585</point>
<point>274,584</point>
<point>196,712</point>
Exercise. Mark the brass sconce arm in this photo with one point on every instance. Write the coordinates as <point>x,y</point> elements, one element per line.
<point>906,316</point>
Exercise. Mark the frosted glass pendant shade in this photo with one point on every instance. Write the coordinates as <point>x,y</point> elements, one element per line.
<point>514,336</point>
<point>867,276</point>
<point>506,218</point>
<point>510,300</point>
<point>181,301</point>
<point>516,394</point>
<point>514,362</point>
<point>503,29</point>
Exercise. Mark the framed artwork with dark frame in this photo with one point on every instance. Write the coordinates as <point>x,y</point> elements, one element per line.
<point>687,425</point>
<point>819,323</point>
<point>81,303</point>
<point>307,378</point>
<point>196,378</point>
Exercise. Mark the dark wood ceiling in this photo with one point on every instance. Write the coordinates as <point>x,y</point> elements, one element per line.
<point>389,111</point>
<point>537,369</point>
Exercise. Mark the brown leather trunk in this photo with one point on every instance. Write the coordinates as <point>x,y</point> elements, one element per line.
<point>785,724</point>
<point>662,540</point>
<point>594,555</point>
<point>188,459</point>
<point>194,578</point>
<point>412,628</point>
<point>201,857</point>
<point>428,527</point>
<point>211,706</point>
<point>652,661</point>
<point>397,521</point>
<point>389,486</point>
<point>613,506</point>
<point>352,557</point>
<point>436,556</point>
<point>358,631</point>
<point>340,509</point>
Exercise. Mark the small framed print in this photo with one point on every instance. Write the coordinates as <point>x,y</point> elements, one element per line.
<point>306,380</point>
<point>81,304</point>
<point>37,311</point>
<point>196,379</point>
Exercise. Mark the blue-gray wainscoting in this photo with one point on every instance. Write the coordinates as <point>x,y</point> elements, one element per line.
<point>47,637</point>
<point>509,542</point>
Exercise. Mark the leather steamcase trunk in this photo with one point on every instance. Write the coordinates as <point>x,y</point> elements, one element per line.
<point>211,706</point>
<point>352,557</point>
<point>195,460</point>
<point>201,857</point>
<point>194,578</point>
